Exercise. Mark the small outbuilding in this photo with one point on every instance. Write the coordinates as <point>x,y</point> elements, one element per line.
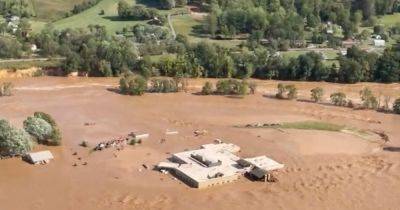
<point>379,42</point>
<point>42,157</point>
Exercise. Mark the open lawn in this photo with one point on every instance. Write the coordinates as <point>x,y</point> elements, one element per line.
<point>331,55</point>
<point>109,19</point>
<point>390,20</point>
<point>91,16</point>
<point>186,25</point>
<point>47,10</point>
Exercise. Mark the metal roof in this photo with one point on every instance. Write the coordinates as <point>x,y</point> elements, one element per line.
<point>40,156</point>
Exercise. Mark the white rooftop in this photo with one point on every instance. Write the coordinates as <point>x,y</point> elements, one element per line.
<point>265,163</point>
<point>216,161</point>
<point>40,156</point>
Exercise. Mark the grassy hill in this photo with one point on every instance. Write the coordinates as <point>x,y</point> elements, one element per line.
<point>47,10</point>
<point>91,16</point>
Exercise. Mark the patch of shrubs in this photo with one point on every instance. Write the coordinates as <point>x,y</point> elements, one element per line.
<point>232,87</point>
<point>338,99</point>
<point>164,86</point>
<point>253,87</point>
<point>286,92</point>
<point>131,84</point>
<point>38,128</point>
<point>396,106</point>
<point>226,87</point>
<point>43,129</point>
<point>13,141</point>
<point>78,8</point>
<point>317,94</point>
<point>368,99</point>
<point>208,89</point>
<point>6,89</point>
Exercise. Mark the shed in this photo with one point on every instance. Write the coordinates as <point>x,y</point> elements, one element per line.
<point>42,157</point>
<point>379,42</point>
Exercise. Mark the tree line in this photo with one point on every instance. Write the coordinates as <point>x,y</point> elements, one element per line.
<point>288,20</point>
<point>93,52</point>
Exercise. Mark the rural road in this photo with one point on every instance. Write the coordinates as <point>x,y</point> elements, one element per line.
<point>171,26</point>
<point>29,59</point>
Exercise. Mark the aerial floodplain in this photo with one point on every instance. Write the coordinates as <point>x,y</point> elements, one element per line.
<point>324,166</point>
<point>199,104</point>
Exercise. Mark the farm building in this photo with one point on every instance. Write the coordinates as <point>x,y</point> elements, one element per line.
<point>42,157</point>
<point>215,164</point>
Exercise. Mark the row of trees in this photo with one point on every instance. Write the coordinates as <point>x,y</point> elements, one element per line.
<point>95,53</point>
<point>136,12</point>
<point>40,128</point>
<point>206,60</point>
<point>15,7</point>
<point>131,84</point>
<point>367,97</point>
<point>229,87</point>
<point>78,8</point>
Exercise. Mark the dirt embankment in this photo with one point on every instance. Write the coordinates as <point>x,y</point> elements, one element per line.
<point>30,72</point>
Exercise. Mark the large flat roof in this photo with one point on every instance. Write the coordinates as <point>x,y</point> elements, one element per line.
<point>215,161</point>
<point>199,172</point>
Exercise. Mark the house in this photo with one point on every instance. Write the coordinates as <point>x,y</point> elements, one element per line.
<point>215,164</point>
<point>42,157</point>
<point>379,42</point>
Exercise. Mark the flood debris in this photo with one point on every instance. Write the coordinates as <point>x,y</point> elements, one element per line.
<point>383,136</point>
<point>145,166</point>
<point>168,132</point>
<point>200,132</point>
<point>261,125</point>
<point>89,124</point>
<point>84,144</point>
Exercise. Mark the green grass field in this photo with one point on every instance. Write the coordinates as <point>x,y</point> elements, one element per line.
<point>320,126</point>
<point>185,25</point>
<point>47,10</point>
<point>110,19</point>
<point>91,16</point>
<point>390,20</point>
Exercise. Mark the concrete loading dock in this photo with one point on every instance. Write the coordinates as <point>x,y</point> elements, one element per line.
<point>215,164</point>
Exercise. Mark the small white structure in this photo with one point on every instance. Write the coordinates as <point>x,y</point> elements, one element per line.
<point>42,157</point>
<point>168,132</point>
<point>379,42</point>
<point>141,136</point>
<point>33,48</point>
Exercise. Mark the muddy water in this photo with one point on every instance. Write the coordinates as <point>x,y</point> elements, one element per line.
<point>324,170</point>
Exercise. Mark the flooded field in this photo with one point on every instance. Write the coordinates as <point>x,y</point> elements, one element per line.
<point>323,169</point>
